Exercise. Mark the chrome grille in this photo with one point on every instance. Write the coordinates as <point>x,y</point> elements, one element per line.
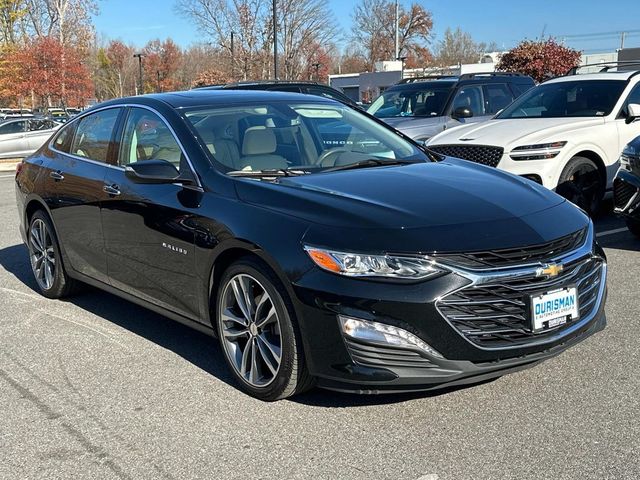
<point>486,155</point>
<point>495,315</point>
<point>541,252</point>
<point>382,356</point>
<point>622,193</point>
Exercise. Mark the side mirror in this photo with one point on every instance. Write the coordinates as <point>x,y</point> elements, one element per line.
<point>633,112</point>
<point>462,112</point>
<point>154,172</point>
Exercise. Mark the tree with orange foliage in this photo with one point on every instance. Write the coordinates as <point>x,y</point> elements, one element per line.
<point>540,59</point>
<point>161,64</point>
<point>49,71</point>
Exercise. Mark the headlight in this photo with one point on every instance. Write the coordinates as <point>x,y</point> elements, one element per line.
<point>540,151</point>
<point>364,265</point>
<point>630,155</point>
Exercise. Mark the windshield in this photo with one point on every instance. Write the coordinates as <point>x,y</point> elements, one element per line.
<point>429,101</point>
<point>580,98</point>
<point>308,137</point>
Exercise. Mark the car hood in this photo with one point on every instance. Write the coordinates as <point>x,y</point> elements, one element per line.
<point>416,127</point>
<point>510,133</point>
<point>418,203</point>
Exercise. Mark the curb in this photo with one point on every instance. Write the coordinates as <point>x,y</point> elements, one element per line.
<point>9,165</point>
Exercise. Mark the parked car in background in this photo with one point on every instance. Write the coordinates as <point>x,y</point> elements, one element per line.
<point>310,88</point>
<point>368,267</point>
<point>22,136</point>
<point>425,106</point>
<point>566,134</point>
<point>626,186</point>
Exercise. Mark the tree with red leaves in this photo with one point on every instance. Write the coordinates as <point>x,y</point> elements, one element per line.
<point>539,59</point>
<point>52,72</point>
<point>161,64</point>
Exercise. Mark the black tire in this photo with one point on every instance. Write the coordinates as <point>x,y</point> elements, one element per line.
<point>292,375</point>
<point>582,184</point>
<point>57,284</point>
<point>633,224</point>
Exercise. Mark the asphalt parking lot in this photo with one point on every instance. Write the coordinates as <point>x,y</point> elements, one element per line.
<point>96,387</point>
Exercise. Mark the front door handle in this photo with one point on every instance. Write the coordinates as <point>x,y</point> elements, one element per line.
<point>57,175</point>
<point>112,190</point>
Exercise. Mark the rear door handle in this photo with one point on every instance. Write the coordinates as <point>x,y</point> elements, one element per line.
<point>113,190</point>
<point>57,176</point>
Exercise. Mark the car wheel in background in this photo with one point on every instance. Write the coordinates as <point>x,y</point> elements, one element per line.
<point>45,259</point>
<point>582,184</point>
<point>633,225</point>
<point>255,324</point>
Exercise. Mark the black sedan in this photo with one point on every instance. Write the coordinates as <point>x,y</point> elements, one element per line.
<point>369,266</point>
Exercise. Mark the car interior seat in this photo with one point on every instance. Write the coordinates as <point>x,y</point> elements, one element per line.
<point>258,149</point>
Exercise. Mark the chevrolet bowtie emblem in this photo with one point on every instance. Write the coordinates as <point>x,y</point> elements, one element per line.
<point>552,270</point>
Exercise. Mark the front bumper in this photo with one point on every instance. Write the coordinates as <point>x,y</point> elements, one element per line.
<point>348,364</point>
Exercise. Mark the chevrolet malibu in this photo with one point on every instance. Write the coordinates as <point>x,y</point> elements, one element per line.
<point>366,267</point>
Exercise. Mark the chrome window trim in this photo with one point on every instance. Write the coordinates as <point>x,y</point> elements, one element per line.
<point>119,167</point>
<point>584,252</point>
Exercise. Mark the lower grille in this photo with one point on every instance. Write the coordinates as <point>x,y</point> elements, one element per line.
<point>381,356</point>
<point>486,155</point>
<point>622,193</point>
<point>496,314</point>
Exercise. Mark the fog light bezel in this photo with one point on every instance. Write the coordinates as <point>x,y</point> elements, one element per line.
<point>384,334</point>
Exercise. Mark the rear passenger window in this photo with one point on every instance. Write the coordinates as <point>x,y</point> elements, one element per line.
<point>147,137</point>
<point>93,135</point>
<point>470,97</point>
<point>62,141</point>
<point>497,97</point>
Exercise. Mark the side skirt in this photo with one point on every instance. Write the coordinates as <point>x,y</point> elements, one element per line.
<point>207,330</point>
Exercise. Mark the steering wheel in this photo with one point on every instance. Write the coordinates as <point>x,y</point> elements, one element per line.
<point>333,151</point>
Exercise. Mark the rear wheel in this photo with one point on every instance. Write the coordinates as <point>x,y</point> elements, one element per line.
<point>582,184</point>
<point>259,339</point>
<point>45,258</point>
<point>633,224</point>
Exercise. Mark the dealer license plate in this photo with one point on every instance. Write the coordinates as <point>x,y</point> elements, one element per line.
<point>552,309</point>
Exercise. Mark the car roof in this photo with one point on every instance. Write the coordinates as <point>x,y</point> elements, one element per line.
<point>624,75</point>
<point>465,79</point>
<point>217,97</point>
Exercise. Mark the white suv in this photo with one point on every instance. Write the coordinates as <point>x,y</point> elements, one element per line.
<point>566,134</point>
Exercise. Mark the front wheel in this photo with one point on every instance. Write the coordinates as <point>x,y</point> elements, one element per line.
<point>260,342</point>
<point>582,184</point>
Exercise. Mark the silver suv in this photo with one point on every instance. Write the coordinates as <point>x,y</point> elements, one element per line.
<point>425,106</point>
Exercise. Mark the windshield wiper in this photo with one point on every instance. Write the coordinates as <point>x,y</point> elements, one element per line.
<point>268,172</point>
<point>371,162</point>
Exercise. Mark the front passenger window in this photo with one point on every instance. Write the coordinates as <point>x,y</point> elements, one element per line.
<point>94,134</point>
<point>147,137</point>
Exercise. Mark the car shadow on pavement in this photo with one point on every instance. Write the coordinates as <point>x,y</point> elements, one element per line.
<point>195,347</point>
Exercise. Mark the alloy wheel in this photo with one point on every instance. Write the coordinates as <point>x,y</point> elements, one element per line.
<point>250,328</point>
<point>583,187</point>
<point>42,254</point>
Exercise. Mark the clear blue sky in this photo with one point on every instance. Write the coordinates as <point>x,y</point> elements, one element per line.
<point>505,22</point>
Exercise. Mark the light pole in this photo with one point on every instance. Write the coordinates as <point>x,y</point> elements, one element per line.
<point>275,42</point>
<point>139,56</point>
<point>402,59</point>
<point>317,67</point>
<point>233,58</point>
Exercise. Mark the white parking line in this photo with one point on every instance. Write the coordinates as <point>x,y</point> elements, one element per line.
<point>7,176</point>
<point>611,232</point>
